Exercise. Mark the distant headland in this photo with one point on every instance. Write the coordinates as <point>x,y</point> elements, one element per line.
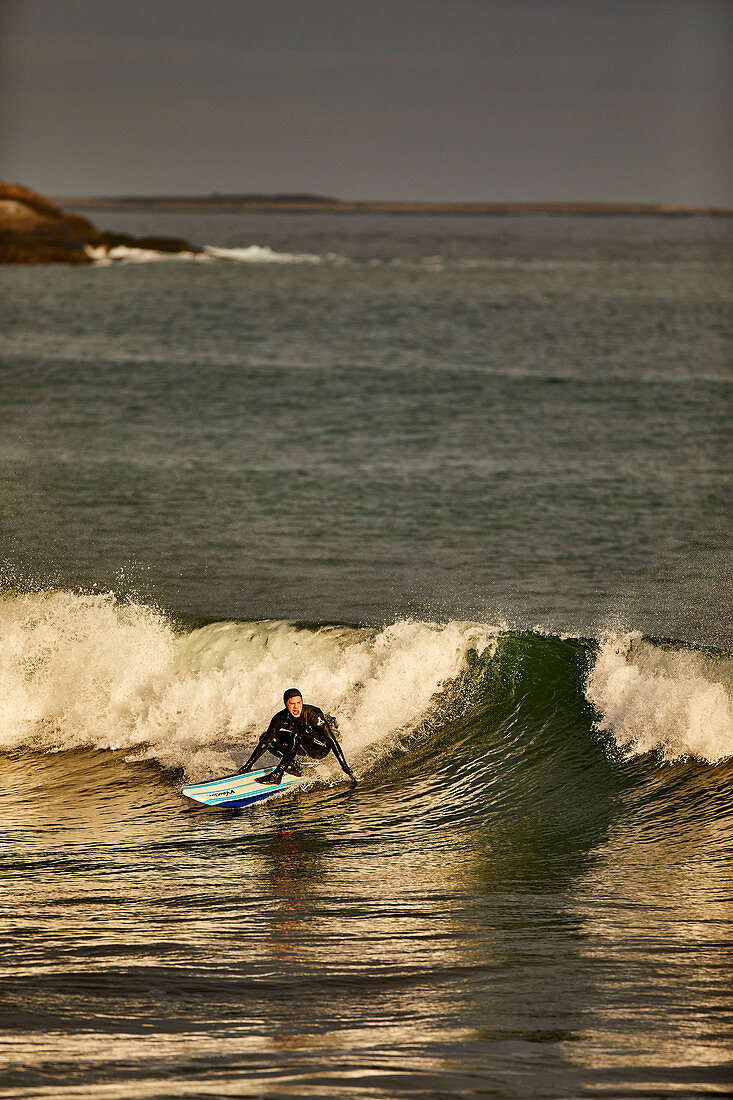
<point>36,230</point>
<point>305,203</point>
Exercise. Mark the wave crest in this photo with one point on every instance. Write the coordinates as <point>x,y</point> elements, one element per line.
<point>74,668</point>
<point>672,700</point>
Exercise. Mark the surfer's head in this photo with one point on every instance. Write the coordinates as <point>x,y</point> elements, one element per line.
<point>293,700</point>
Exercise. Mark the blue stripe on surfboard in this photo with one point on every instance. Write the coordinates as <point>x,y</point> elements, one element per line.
<point>241,803</point>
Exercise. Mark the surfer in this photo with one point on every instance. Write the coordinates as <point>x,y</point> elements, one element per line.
<point>299,730</point>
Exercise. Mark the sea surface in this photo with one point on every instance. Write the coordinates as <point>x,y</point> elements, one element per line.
<point>466,482</point>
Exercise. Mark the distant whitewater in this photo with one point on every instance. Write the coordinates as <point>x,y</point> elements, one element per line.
<point>251,254</point>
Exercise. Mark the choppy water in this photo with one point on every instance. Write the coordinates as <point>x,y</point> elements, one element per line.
<point>465,482</point>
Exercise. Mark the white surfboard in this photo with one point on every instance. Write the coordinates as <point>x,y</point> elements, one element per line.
<point>236,791</point>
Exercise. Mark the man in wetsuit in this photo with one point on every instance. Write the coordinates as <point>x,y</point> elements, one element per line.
<point>299,730</point>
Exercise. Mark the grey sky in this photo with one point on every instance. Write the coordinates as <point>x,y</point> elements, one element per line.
<point>626,100</point>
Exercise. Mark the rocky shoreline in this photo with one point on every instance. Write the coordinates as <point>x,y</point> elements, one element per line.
<point>34,230</point>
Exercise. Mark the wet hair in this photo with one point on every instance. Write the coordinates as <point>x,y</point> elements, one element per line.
<point>290,694</point>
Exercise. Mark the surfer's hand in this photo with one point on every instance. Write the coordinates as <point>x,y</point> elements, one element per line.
<point>352,777</point>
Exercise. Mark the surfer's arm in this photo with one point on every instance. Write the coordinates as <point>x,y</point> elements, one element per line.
<point>331,740</point>
<point>338,753</point>
<point>260,747</point>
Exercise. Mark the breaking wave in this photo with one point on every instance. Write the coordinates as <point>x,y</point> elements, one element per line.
<point>90,671</point>
<point>481,704</point>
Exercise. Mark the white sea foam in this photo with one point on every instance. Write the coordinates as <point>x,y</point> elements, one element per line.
<point>252,254</point>
<point>676,701</point>
<point>262,254</point>
<point>124,254</point>
<point>91,671</point>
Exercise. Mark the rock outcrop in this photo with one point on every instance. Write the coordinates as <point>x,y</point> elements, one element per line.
<point>33,230</point>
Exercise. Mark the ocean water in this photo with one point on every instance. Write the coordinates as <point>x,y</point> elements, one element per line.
<point>466,482</point>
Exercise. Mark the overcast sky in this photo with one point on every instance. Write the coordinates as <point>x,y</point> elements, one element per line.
<point>626,100</point>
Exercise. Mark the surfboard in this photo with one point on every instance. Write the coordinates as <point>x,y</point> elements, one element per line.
<point>236,791</point>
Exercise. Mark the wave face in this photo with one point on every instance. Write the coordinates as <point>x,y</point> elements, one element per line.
<point>466,702</point>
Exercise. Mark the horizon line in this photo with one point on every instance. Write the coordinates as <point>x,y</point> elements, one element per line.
<point>310,202</point>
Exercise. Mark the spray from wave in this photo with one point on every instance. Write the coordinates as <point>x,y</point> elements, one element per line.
<point>673,700</point>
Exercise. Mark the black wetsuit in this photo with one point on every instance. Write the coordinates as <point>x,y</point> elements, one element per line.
<point>307,735</point>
